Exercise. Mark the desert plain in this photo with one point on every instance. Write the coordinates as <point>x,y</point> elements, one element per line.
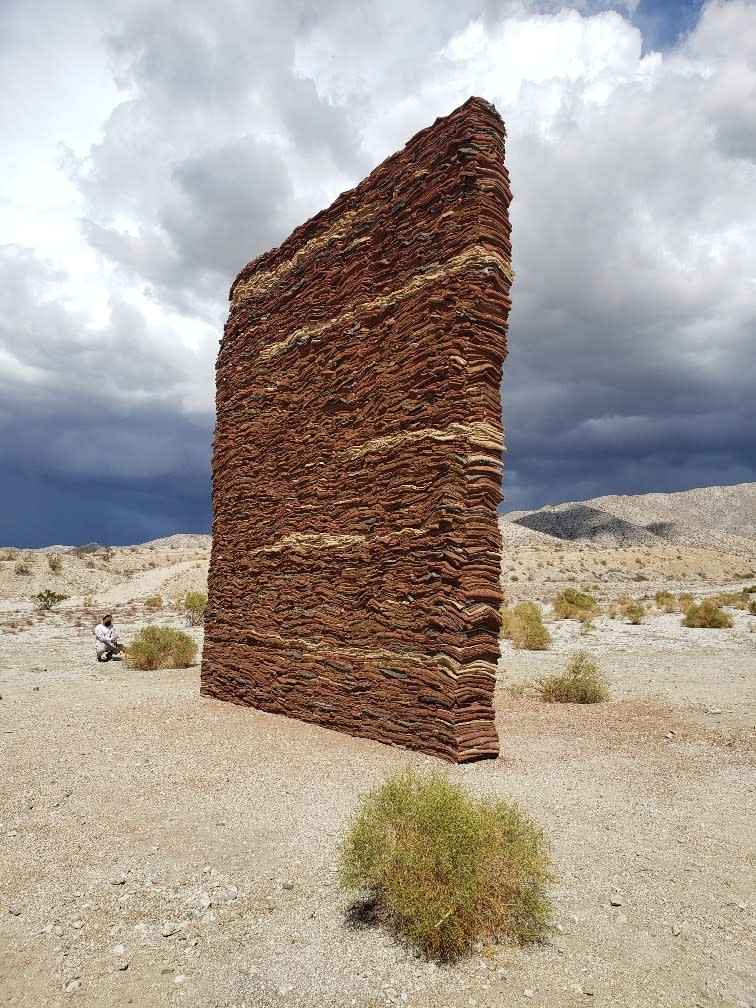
<point>163,849</point>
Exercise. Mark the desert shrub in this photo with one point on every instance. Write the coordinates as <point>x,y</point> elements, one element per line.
<point>194,604</point>
<point>685,601</point>
<point>665,600</point>
<point>88,602</point>
<point>55,562</point>
<point>750,590</point>
<point>447,870</point>
<point>707,614</point>
<point>738,600</point>
<point>9,554</point>
<point>47,599</point>
<point>517,689</point>
<point>523,625</point>
<point>752,607</point>
<point>156,647</point>
<point>634,612</point>
<point>154,602</point>
<point>574,604</point>
<point>581,682</point>
<point>23,567</point>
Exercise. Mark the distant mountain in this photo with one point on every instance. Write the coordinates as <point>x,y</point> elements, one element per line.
<point>710,516</point>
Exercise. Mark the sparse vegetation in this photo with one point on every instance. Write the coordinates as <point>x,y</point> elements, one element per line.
<point>574,604</point>
<point>157,647</point>
<point>634,612</point>
<point>23,568</point>
<point>752,607</point>
<point>48,599</point>
<point>685,602</point>
<point>154,602</point>
<point>194,604</point>
<point>55,562</point>
<point>707,615</point>
<point>88,602</point>
<point>581,682</point>
<point>737,600</point>
<point>447,870</point>
<point>523,625</point>
<point>666,600</point>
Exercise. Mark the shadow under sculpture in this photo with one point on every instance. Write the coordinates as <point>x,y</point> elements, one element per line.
<point>355,570</point>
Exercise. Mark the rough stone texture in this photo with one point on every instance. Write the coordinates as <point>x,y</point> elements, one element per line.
<point>354,578</point>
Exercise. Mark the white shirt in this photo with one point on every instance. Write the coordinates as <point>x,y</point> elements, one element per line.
<point>104,633</point>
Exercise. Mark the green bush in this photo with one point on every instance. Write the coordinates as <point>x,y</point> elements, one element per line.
<point>738,600</point>
<point>154,602</point>
<point>447,870</point>
<point>665,600</point>
<point>574,604</point>
<point>581,682</point>
<point>523,625</point>
<point>156,647</point>
<point>55,562</point>
<point>634,612</point>
<point>708,615</point>
<point>194,604</point>
<point>47,599</point>
<point>685,602</point>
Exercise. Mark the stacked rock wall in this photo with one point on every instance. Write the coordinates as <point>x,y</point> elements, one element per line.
<point>354,578</point>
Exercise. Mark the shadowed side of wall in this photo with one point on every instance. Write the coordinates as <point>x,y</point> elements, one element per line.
<point>354,578</point>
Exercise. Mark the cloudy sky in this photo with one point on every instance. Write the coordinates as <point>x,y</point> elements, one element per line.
<point>152,148</point>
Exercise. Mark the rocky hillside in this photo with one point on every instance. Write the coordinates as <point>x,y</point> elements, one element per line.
<point>719,516</point>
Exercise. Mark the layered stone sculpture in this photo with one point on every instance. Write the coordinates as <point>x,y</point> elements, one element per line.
<point>354,579</point>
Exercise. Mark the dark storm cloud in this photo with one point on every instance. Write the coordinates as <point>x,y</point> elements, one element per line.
<point>93,430</point>
<point>632,331</point>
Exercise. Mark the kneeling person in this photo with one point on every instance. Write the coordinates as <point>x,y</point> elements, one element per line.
<point>107,639</point>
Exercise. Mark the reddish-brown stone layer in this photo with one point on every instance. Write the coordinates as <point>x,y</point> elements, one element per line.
<point>354,578</point>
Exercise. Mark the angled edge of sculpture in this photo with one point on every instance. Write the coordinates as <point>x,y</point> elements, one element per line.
<point>355,570</point>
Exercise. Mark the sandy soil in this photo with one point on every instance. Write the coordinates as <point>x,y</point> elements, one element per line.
<point>161,849</point>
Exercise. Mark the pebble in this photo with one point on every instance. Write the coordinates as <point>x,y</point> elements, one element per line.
<point>169,929</point>
<point>615,900</point>
<point>122,964</point>
<point>588,990</point>
<point>675,930</point>
<point>72,985</point>
<point>528,992</point>
<point>288,885</point>
<point>713,710</point>
<point>14,911</point>
<point>119,950</point>
<point>77,924</point>
<point>179,979</point>
<point>117,879</point>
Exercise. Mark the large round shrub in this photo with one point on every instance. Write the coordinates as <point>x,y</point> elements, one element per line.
<point>447,869</point>
<point>581,682</point>
<point>523,625</point>
<point>157,647</point>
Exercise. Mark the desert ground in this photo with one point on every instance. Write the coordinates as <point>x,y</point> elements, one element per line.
<point>161,849</point>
